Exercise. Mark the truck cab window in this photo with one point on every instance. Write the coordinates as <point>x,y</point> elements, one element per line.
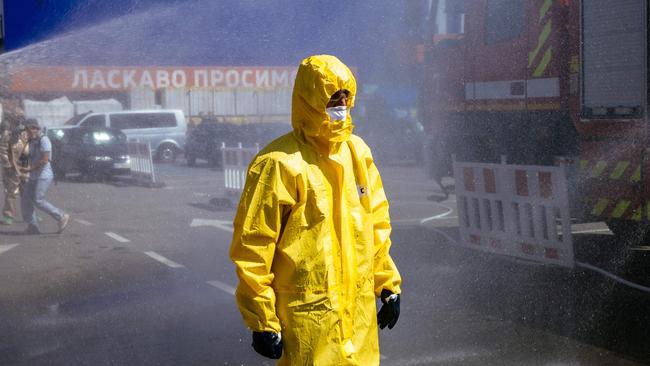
<point>450,17</point>
<point>504,20</point>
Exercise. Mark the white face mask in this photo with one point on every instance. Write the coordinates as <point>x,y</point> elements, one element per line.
<point>337,113</point>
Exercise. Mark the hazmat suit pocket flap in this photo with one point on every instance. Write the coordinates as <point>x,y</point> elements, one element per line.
<point>306,302</point>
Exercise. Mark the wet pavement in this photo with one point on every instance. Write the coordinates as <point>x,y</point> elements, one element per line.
<point>142,277</point>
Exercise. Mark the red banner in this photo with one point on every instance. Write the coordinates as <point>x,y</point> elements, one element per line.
<point>40,79</point>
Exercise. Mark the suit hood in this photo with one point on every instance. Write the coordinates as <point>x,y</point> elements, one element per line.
<point>319,77</point>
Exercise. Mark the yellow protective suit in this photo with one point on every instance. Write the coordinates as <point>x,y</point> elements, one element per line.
<point>311,240</point>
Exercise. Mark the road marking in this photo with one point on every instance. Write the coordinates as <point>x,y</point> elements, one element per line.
<point>7,247</point>
<point>590,231</point>
<point>222,286</point>
<point>117,237</point>
<point>643,248</point>
<point>418,221</point>
<point>220,224</point>
<point>614,277</point>
<point>84,222</point>
<point>439,216</point>
<point>164,260</point>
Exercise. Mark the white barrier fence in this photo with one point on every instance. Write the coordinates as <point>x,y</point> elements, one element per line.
<point>142,169</point>
<point>235,167</point>
<point>515,210</point>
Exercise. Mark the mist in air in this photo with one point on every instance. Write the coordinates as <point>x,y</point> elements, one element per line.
<point>368,36</point>
<point>439,82</point>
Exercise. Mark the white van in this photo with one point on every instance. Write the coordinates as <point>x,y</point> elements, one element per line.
<point>164,129</point>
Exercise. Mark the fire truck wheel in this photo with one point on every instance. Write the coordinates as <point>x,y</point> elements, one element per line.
<point>633,233</point>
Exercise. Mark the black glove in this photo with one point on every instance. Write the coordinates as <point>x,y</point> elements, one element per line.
<point>268,344</point>
<point>389,312</point>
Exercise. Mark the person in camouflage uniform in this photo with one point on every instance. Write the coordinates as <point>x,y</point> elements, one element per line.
<point>14,157</point>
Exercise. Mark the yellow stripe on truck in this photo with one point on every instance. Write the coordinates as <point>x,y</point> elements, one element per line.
<point>636,177</point>
<point>600,206</point>
<point>543,106</point>
<point>599,168</point>
<point>619,170</point>
<point>539,71</point>
<point>545,7</point>
<point>636,214</point>
<point>620,209</point>
<point>543,37</point>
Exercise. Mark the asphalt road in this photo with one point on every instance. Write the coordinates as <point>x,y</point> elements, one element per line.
<point>142,277</point>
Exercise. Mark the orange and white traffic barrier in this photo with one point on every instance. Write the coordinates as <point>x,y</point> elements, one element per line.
<point>515,210</point>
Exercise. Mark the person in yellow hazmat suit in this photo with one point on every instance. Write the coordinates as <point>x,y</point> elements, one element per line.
<point>312,233</point>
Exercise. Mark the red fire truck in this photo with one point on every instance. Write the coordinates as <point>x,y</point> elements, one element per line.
<point>535,80</point>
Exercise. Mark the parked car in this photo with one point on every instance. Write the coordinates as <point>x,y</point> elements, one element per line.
<point>165,130</point>
<point>92,151</point>
<point>204,141</point>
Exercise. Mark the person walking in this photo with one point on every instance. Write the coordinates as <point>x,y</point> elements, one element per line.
<point>312,233</point>
<point>41,176</point>
<point>13,156</point>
